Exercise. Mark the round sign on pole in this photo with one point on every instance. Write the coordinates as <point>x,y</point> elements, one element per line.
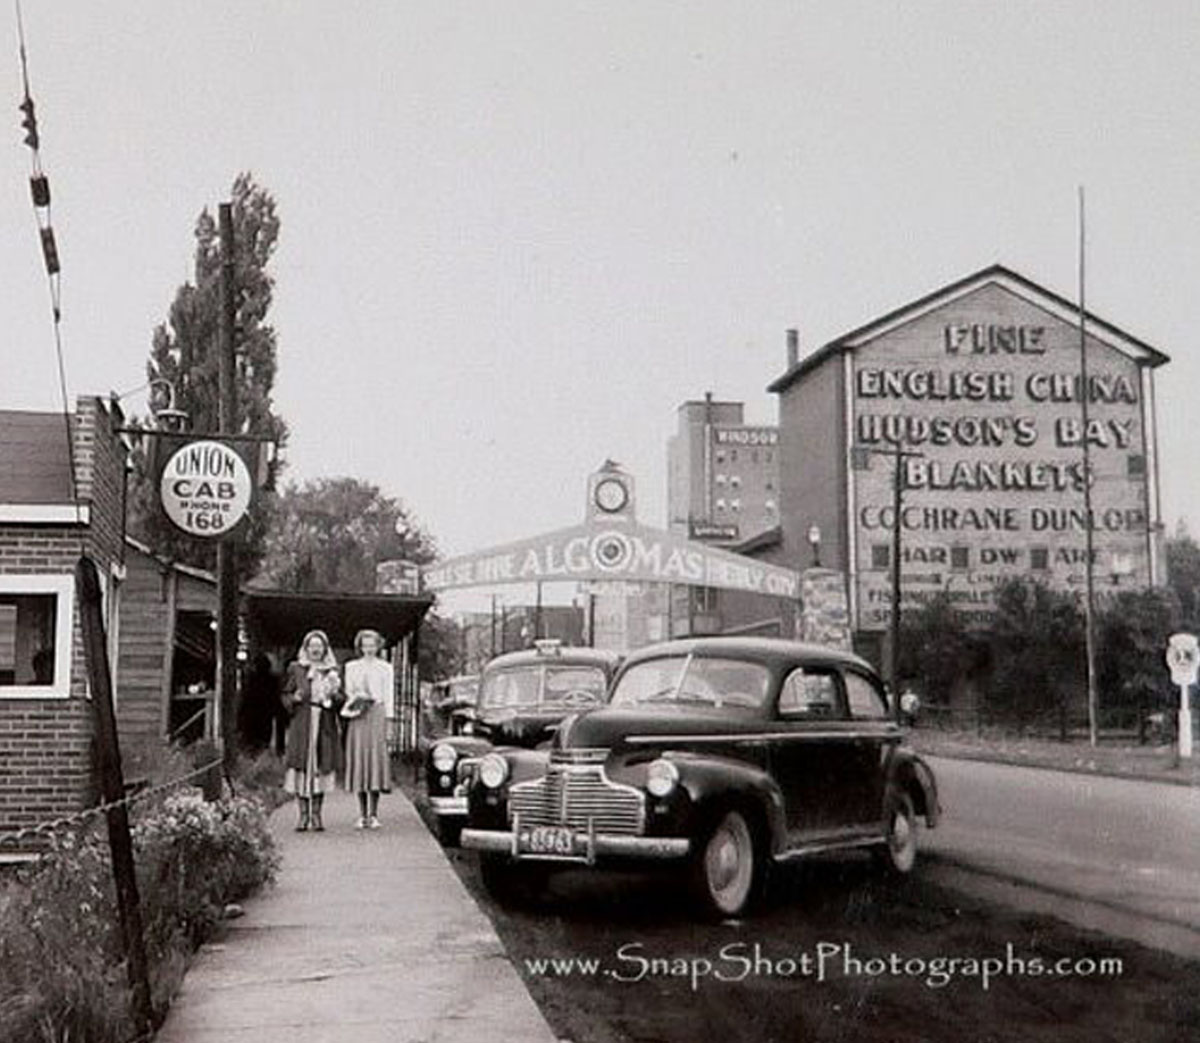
<point>205,489</point>
<point>1183,658</point>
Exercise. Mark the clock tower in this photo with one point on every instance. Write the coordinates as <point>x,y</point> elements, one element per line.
<point>611,495</point>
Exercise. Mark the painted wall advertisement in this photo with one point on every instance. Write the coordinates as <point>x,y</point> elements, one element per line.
<point>988,390</point>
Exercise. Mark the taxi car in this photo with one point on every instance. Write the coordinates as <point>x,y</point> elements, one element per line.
<point>454,703</point>
<point>522,698</point>
<point>719,756</point>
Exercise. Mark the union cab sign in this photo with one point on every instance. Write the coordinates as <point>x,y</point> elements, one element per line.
<point>205,489</point>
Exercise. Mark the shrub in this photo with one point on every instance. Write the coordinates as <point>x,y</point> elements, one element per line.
<point>61,973</point>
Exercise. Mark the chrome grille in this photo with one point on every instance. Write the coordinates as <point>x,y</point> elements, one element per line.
<point>578,795</point>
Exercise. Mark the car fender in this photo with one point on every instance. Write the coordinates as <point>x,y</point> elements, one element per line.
<point>911,775</point>
<point>713,780</point>
<point>463,745</point>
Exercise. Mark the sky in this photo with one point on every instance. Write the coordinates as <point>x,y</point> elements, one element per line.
<point>515,237</point>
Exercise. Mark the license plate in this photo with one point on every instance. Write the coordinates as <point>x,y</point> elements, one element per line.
<point>548,840</point>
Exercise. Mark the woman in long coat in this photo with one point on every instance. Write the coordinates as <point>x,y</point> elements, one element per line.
<point>370,685</point>
<point>312,694</point>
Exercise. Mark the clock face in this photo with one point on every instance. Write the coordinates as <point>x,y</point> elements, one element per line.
<point>611,495</point>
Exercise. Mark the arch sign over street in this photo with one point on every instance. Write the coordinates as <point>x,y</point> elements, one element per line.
<point>612,545</point>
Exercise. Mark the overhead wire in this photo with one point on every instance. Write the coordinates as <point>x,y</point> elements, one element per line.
<point>42,214</point>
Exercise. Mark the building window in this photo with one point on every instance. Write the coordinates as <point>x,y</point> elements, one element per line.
<point>770,505</point>
<point>881,556</point>
<point>1135,465</point>
<point>1039,558</point>
<point>720,456</point>
<point>733,456</point>
<point>35,636</point>
<point>721,504</point>
<point>735,481</point>
<point>960,558</point>
<point>735,505</point>
<point>720,479</point>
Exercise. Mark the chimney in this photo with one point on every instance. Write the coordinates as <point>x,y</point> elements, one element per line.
<point>793,348</point>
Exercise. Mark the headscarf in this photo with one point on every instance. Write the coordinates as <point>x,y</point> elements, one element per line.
<point>315,667</point>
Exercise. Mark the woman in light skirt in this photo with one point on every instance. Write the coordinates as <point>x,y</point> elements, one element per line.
<point>312,695</point>
<point>370,683</point>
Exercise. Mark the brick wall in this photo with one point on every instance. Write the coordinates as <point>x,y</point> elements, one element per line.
<point>45,744</point>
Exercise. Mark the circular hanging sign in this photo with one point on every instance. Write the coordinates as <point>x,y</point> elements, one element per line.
<point>205,489</point>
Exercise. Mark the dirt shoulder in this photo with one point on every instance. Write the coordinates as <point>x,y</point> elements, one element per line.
<point>1155,763</point>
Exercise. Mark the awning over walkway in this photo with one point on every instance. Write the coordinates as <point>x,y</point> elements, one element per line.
<point>281,619</point>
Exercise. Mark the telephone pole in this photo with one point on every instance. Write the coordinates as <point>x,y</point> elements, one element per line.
<point>227,424</point>
<point>898,454</point>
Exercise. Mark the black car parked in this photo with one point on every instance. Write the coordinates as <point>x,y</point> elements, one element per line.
<point>522,698</point>
<point>718,755</point>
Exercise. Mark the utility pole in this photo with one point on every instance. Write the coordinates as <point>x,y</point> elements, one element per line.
<point>112,791</point>
<point>1089,607</point>
<point>899,454</point>
<point>227,424</point>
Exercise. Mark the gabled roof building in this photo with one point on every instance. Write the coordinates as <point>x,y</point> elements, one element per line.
<point>983,379</point>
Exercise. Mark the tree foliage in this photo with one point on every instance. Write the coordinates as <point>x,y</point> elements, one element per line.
<point>330,533</point>
<point>184,352</point>
<point>1037,642</point>
<point>1183,575</point>
<point>936,649</point>
<point>1131,638</point>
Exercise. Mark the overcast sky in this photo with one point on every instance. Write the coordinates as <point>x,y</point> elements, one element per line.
<point>515,236</point>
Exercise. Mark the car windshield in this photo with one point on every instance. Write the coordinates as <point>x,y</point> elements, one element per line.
<point>463,692</point>
<point>687,680</point>
<point>545,687</point>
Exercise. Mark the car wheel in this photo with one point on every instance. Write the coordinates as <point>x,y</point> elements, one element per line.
<point>727,870</point>
<point>449,833</point>
<point>898,854</point>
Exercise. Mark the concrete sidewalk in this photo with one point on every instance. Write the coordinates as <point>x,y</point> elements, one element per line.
<point>368,936</point>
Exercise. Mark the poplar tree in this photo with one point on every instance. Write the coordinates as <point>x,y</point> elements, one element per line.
<point>184,353</point>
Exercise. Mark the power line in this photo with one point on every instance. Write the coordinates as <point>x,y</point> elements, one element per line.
<point>39,188</point>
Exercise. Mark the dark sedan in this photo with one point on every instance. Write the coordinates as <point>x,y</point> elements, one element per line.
<point>720,755</point>
<point>522,698</point>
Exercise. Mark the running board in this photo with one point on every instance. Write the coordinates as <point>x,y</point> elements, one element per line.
<point>820,846</point>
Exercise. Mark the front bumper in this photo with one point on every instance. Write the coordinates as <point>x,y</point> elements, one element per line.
<point>449,807</point>
<point>588,846</point>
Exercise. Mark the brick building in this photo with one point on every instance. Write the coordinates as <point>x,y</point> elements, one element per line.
<point>48,517</point>
<point>982,379</point>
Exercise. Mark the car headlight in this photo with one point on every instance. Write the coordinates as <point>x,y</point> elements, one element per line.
<point>444,757</point>
<point>661,777</point>
<point>493,770</point>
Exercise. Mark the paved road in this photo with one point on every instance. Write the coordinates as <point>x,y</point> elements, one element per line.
<point>1118,855</point>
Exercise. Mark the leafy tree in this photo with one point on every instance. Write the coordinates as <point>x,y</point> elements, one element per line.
<point>1183,575</point>
<point>937,651</point>
<point>1038,654</point>
<point>1131,637</point>
<point>330,533</point>
<point>184,352</point>
<point>440,654</point>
